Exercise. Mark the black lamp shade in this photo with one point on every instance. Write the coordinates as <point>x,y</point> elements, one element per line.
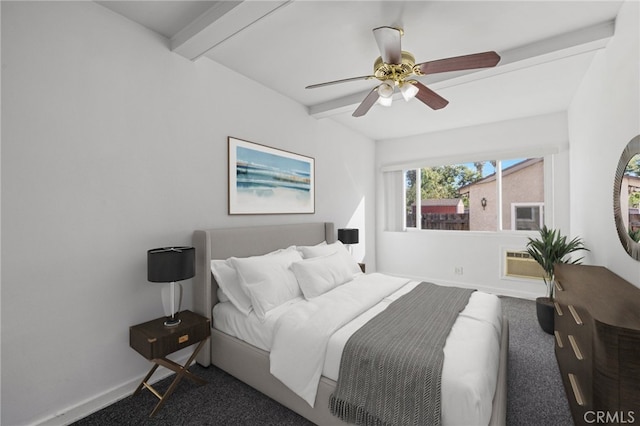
<point>170,264</point>
<point>348,235</point>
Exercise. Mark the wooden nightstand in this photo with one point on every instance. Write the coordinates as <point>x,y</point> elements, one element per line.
<point>154,341</point>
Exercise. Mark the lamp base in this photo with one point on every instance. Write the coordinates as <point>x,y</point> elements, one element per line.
<point>172,321</point>
<point>171,301</point>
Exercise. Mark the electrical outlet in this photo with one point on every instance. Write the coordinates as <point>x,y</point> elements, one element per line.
<point>458,270</point>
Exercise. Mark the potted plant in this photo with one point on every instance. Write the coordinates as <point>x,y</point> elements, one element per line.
<point>551,248</point>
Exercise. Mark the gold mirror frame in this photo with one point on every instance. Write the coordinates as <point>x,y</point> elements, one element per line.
<point>632,247</point>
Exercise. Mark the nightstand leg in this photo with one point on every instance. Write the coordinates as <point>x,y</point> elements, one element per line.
<point>180,372</point>
<point>144,381</point>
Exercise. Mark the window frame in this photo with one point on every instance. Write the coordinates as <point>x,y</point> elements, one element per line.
<point>514,219</point>
<point>546,183</point>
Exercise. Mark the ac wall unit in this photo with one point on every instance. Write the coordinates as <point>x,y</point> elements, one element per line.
<point>520,264</point>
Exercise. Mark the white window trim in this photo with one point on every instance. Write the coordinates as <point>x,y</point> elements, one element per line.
<point>540,151</point>
<point>418,199</point>
<point>499,195</point>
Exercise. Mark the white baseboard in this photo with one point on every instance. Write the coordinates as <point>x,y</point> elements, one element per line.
<point>100,401</point>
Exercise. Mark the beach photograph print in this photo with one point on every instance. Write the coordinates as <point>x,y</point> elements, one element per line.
<point>265,180</point>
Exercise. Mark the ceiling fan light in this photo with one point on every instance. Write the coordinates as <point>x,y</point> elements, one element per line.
<point>408,90</point>
<point>385,101</point>
<point>386,88</point>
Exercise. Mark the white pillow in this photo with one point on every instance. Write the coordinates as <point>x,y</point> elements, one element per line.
<point>227,279</point>
<point>230,286</point>
<point>308,251</point>
<point>325,250</point>
<point>222,297</point>
<point>318,275</point>
<point>321,249</point>
<point>269,279</point>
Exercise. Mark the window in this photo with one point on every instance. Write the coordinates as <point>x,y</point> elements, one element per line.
<point>527,217</point>
<point>476,196</point>
<point>442,206</point>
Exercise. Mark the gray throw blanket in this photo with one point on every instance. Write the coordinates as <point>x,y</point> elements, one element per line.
<point>391,368</point>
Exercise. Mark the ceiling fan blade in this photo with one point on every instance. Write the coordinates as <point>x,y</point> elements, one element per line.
<point>429,97</point>
<point>344,80</point>
<point>388,40</point>
<point>466,62</point>
<point>367,103</point>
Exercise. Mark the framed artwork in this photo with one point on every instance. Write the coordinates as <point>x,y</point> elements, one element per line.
<point>265,180</point>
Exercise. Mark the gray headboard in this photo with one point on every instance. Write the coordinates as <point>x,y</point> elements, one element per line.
<point>242,242</point>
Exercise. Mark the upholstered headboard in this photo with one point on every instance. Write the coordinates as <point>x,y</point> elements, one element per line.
<point>242,242</point>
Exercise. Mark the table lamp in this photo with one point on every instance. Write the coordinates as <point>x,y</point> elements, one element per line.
<point>168,265</point>
<point>348,236</point>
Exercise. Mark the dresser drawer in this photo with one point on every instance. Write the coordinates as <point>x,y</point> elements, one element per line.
<point>575,321</point>
<point>574,357</point>
<point>578,402</point>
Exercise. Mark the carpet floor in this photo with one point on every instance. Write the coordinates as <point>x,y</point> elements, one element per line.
<point>535,392</point>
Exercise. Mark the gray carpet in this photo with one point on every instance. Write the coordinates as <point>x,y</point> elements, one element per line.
<point>536,396</point>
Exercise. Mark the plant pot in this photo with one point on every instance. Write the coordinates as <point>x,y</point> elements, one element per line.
<point>544,310</point>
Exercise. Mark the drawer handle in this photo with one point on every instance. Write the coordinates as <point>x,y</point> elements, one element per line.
<point>558,308</point>
<point>577,393</point>
<point>558,339</point>
<point>575,315</point>
<point>575,347</point>
<point>559,286</point>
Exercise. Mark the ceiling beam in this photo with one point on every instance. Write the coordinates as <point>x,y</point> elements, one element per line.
<point>554,48</point>
<point>220,22</point>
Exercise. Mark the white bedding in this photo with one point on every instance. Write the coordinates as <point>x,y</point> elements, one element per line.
<point>472,349</point>
<point>228,319</point>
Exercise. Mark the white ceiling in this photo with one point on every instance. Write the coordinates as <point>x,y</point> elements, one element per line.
<point>546,46</point>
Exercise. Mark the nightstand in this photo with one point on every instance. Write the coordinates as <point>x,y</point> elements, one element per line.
<point>154,341</point>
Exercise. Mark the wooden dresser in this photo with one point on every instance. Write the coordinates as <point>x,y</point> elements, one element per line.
<point>597,333</point>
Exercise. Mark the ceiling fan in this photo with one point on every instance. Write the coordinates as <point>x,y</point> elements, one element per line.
<point>395,66</point>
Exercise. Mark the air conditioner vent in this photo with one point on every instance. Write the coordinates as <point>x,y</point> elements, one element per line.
<point>520,264</point>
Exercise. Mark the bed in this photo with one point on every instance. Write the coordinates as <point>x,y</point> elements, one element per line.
<point>250,363</point>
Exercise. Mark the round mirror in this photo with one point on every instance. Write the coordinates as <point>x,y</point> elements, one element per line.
<point>626,198</point>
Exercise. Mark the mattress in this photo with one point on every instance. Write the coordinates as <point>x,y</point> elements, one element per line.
<point>472,349</point>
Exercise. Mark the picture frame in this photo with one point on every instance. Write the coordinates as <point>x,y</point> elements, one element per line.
<point>267,180</point>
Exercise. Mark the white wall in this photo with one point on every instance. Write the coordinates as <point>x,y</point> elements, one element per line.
<point>434,255</point>
<point>604,116</point>
<point>112,145</point>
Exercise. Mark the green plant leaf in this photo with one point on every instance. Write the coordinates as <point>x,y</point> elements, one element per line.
<point>551,248</point>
